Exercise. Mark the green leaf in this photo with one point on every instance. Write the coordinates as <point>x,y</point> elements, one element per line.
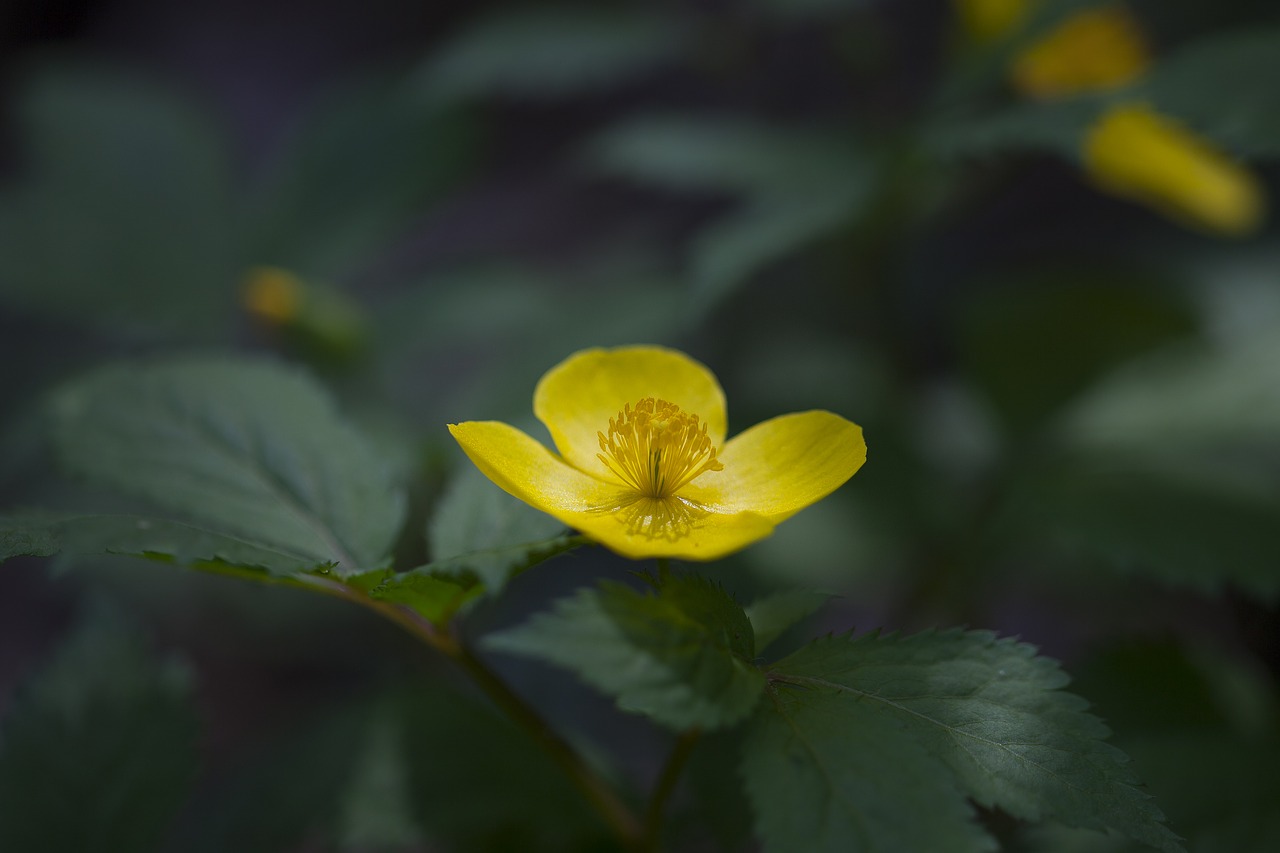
<point>550,53</point>
<point>825,774</point>
<point>244,449</point>
<point>359,168</point>
<point>774,614</point>
<point>1190,86</point>
<point>436,599</point>
<point>98,749</point>
<point>992,717</point>
<point>681,656</point>
<point>125,221</point>
<point>1057,127</point>
<point>481,529</point>
<point>141,536</point>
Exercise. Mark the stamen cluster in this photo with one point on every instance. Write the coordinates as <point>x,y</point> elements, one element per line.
<point>656,449</point>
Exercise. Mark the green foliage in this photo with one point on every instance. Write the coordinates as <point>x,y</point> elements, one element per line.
<point>242,449</point>
<point>125,221</point>
<point>484,531</point>
<point>987,715</point>
<point>774,614</point>
<point>681,656</point>
<point>98,748</point>
<point>436,599</point>
<point>549,53</point>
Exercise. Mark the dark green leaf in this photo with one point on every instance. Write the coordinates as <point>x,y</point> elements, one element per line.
<point>126,220</point>
<point>481,529</point>
<point>253,451</point>
<point>1222,87</point>
<point>992,714</point>
<point>98,749</point>
<point>825,774</point>
<point>681,656</point>
<point>549,53</point>
<point>436,599</point>
<point>772,615</point>
<point>359,168</point>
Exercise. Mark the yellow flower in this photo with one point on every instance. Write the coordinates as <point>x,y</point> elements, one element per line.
<point>273,294</point>
<point>643,465</point>
<point>1136,153</point>
<point>987,20</point>
<point>1093,50</point>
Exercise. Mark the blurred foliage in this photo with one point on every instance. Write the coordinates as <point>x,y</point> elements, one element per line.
<point>1071,402</point>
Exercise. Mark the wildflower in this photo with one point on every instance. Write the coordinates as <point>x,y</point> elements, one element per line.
<point>1134,152</point>
<point>1094,50</point>
<point>643,465</point>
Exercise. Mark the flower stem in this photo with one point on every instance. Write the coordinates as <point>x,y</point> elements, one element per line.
<point>665,785</point>
<point>612,810</point>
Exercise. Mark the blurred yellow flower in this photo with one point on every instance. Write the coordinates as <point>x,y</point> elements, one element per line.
<point>1090,51</point>
<point>987,20</point>
<point>643,465</point>
<point>1134,152</point>
<point>272,294</point>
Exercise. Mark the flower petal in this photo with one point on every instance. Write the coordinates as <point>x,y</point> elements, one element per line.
<point>576,398</point>
<point>635,528</point>
<point>651,527</point>
<point>531,472</point>
<point>781,466</point>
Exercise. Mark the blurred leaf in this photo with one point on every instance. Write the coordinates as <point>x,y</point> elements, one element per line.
<point>549,52</point>
<point>1033,346</point>
<point>44,535</point>
<point>1057,127</point>
<point>681,656</point>
<point>825,774</point>
<point>988,713</point>
<point>376,810</point>
<point>245,449</point>
<point>124,220</point>
<point>98,749</point>
<point>1221,85</point>
<point>481,529</point>
<point>774,614</point>
<point>369,158</point>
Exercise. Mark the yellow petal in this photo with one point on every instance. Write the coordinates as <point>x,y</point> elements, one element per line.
<point>531,472</point>
<point>781,466</point>
<point>667,528</point>
<point>576,398</point>
<point>635,528</point>
<point>1136,153</point>
<point>1091,51</point>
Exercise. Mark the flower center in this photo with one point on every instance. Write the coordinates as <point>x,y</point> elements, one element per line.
<point>656,449</point>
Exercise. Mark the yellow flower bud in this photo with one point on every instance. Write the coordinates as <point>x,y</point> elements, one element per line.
<point>272,294</point>
<point>1094,50</point>
<point>988,20</point>
<point>1136,153</point>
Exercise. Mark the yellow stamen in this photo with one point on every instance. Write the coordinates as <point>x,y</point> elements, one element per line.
<point>656,449</point>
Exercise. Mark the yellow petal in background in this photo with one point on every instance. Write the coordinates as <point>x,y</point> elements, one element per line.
<point>988,20</point>
<point>1090,51</point>
<point>781,466</point>
<point>1136,153</point>
<point>576,398</point>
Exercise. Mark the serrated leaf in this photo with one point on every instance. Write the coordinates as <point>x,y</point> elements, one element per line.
<point>824,774</point>
<point>681,656</point>
<point>994,716</point>
<point>125,221</point>
<point>549,53</point>
<point>774,614</point>
<point>98,750</point>
<point>244,449</point>
<point>140,536</point>
<point>481,529</point>
<point>436,599</point>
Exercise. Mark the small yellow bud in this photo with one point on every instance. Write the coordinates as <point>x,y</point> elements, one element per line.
<point>1136,153</point>
<point>988,20</point>
<point>1090,51</point>
<point>273,294</point>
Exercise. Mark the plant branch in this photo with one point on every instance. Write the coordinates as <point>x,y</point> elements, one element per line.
<point>665,785</point>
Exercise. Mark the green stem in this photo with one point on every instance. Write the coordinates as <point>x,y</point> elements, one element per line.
<point>615,813</point>
<point>665,785</point>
